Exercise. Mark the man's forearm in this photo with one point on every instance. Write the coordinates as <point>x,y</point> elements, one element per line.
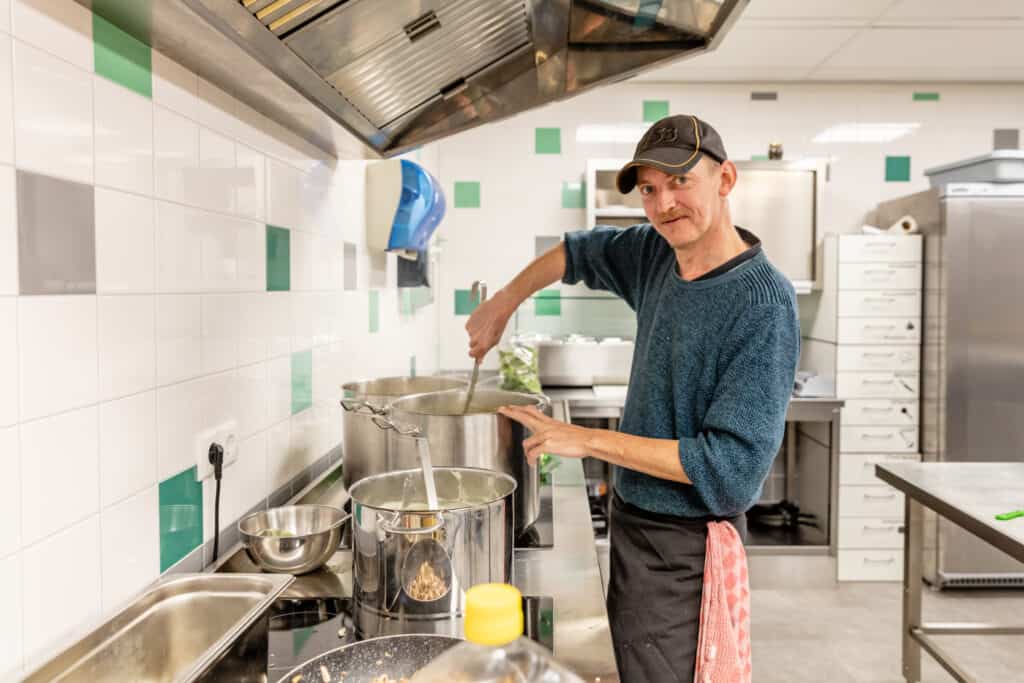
<point>543,271</point>
<point>656,457</point>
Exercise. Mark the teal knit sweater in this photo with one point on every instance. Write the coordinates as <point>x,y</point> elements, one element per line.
<point>713,367</point>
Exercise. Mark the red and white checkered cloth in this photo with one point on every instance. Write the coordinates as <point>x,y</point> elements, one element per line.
<point>723,646</point>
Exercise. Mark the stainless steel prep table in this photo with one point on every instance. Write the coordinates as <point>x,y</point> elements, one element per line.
<point>568,572</point>
<point>968,494</point>
<point>823,413</point>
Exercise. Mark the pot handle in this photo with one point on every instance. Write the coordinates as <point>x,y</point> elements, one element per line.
<point>359,406</point>
<point>392,527</point>
<point>384,422</point>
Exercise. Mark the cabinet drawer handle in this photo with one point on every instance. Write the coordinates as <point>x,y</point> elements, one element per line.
<point>877,381</point>
<point>879,299</point>
<point>887,272</point>
<point>879,327</point>
<point>870,528</point>
<point>885,437</point>
<point>890,560</point>
<point>879,496</point>
<point>869,409</point>
<point>878,354</point>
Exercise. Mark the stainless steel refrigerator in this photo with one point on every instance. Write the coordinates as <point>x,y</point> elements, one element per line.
<point>972,380</point>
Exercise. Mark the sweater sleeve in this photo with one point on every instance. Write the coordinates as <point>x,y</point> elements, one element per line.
<point>607,259</point>
<point>729,459</point>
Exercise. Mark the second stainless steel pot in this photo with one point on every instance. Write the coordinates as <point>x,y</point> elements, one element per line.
<point>481,438</point>
<point>411,565</point>
<point>365,446</point>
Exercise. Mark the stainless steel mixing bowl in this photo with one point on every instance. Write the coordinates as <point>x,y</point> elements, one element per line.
<point>295,539</point>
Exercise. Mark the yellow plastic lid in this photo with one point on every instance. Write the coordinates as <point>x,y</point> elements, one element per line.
<point>494,614</point>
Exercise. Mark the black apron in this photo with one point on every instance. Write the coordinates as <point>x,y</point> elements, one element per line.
<point>656,575</point>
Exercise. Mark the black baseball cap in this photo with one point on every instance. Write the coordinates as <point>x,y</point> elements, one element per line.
<point>674,145</point>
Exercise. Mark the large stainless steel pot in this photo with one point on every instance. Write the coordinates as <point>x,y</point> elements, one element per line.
<point>469,541</point>
<point>481,438</point>
<point>365,446</point>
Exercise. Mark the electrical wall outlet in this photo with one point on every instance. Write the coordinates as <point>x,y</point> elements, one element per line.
<point>226,435</point>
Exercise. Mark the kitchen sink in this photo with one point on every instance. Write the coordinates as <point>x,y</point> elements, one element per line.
<point>183,628</point>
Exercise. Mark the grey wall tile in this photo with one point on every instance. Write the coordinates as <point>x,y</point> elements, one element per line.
<point>56,236</point>
<point>351,279</point>
<point>378,269</point>
<point>1006,138</point>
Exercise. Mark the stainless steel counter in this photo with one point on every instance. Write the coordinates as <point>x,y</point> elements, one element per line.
<point>968,494</point>
<point>568,572</point>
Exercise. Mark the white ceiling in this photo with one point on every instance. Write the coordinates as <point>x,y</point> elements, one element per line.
<point>864,40</point>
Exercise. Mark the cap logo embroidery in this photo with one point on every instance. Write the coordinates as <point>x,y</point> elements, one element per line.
<point>661,135</point>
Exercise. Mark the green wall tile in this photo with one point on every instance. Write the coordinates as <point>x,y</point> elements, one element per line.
<point>279,264</point>
<point>467,194</point>
<point>548,302</point>
<point>926,97</point>
<point>422,296</point>
<point>405,304</point>
<point>181,517</point>
<point>302,380</point>
<point>897,169</point>
<point>759,157</point>
<point>374,311</point>
<point>574,195</point>
<point>547,140</point>
<point>655,110</point>
<point>121,58</point>
<point>464,302</point>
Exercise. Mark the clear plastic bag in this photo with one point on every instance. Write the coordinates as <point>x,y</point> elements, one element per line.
<point>518,367</point>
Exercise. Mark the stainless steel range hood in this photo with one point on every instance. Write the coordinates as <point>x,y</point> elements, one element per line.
<point>399,73</point>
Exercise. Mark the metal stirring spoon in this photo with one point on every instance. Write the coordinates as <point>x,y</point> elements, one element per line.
<point>478,294</point>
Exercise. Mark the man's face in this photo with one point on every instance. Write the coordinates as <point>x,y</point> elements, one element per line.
<point>683,208</point>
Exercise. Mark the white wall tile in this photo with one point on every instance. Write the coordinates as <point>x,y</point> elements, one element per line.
<point>127,447</point>
<point>127,344</point>
<point>178,337</point>
<point>176,152</point>
<point>279,389</point>
<point>8,360</point>
<point>174,86</point>
<point>47,590</point>
<point>215,108</point>
<point>279,324</point>
<point>251,252</point>
<point>179,241</point>
<point>52,115</point>
<point>215,189</point>
<point>301,253</point>
<point>252,328</point>
<point>278,456</point>
<point>12,594</point>
<point>321,323</point>
<point>59,462</point>
<point>61,28</point>
<point>252,399</point>
<point>10,499</point>
<point>124,138</point>
<point>302,320</point>
<point>219,252</point>
<point>125,242</point>
<point>5,16</point>
<point>57,353</point>
<point>284,192</point>
<point>302,443</point>
<point>220,332</point>
<point>183,411</point>
<point>6,100</point>
<point>8,233</point>
<point>130,547</point>
<point>250,188</point>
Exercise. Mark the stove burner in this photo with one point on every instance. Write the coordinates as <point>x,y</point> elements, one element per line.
<point>303,628</point>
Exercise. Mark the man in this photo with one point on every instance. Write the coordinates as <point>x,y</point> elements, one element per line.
<point>716,352</point>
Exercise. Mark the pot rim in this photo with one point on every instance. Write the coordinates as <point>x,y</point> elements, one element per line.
<point>351,385</point>
<point>541,401</point>
<point>394,473</point>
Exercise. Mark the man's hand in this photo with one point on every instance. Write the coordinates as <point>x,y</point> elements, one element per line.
<point>550,435</point>
<point>487,323</point>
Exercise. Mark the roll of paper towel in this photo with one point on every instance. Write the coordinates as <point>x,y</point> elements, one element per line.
<point>906,225</point>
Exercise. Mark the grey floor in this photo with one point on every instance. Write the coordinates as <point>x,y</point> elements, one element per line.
<point>850,634</point>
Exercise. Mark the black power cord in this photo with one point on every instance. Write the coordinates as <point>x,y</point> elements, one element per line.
<point>216,456</point>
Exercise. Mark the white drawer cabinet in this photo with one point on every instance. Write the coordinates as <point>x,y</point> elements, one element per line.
<point>878,384</point>
<point>878,331</point>
<point>879,249</point>
<point>858,469</point>
<point>862,358</point>
<point>871,533</point>
<point>881,412</point>
<point>870,501</point>
<point>879,439</point>
<point>879,276</point>
<point>870,565</point>
<point>865,303</point>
